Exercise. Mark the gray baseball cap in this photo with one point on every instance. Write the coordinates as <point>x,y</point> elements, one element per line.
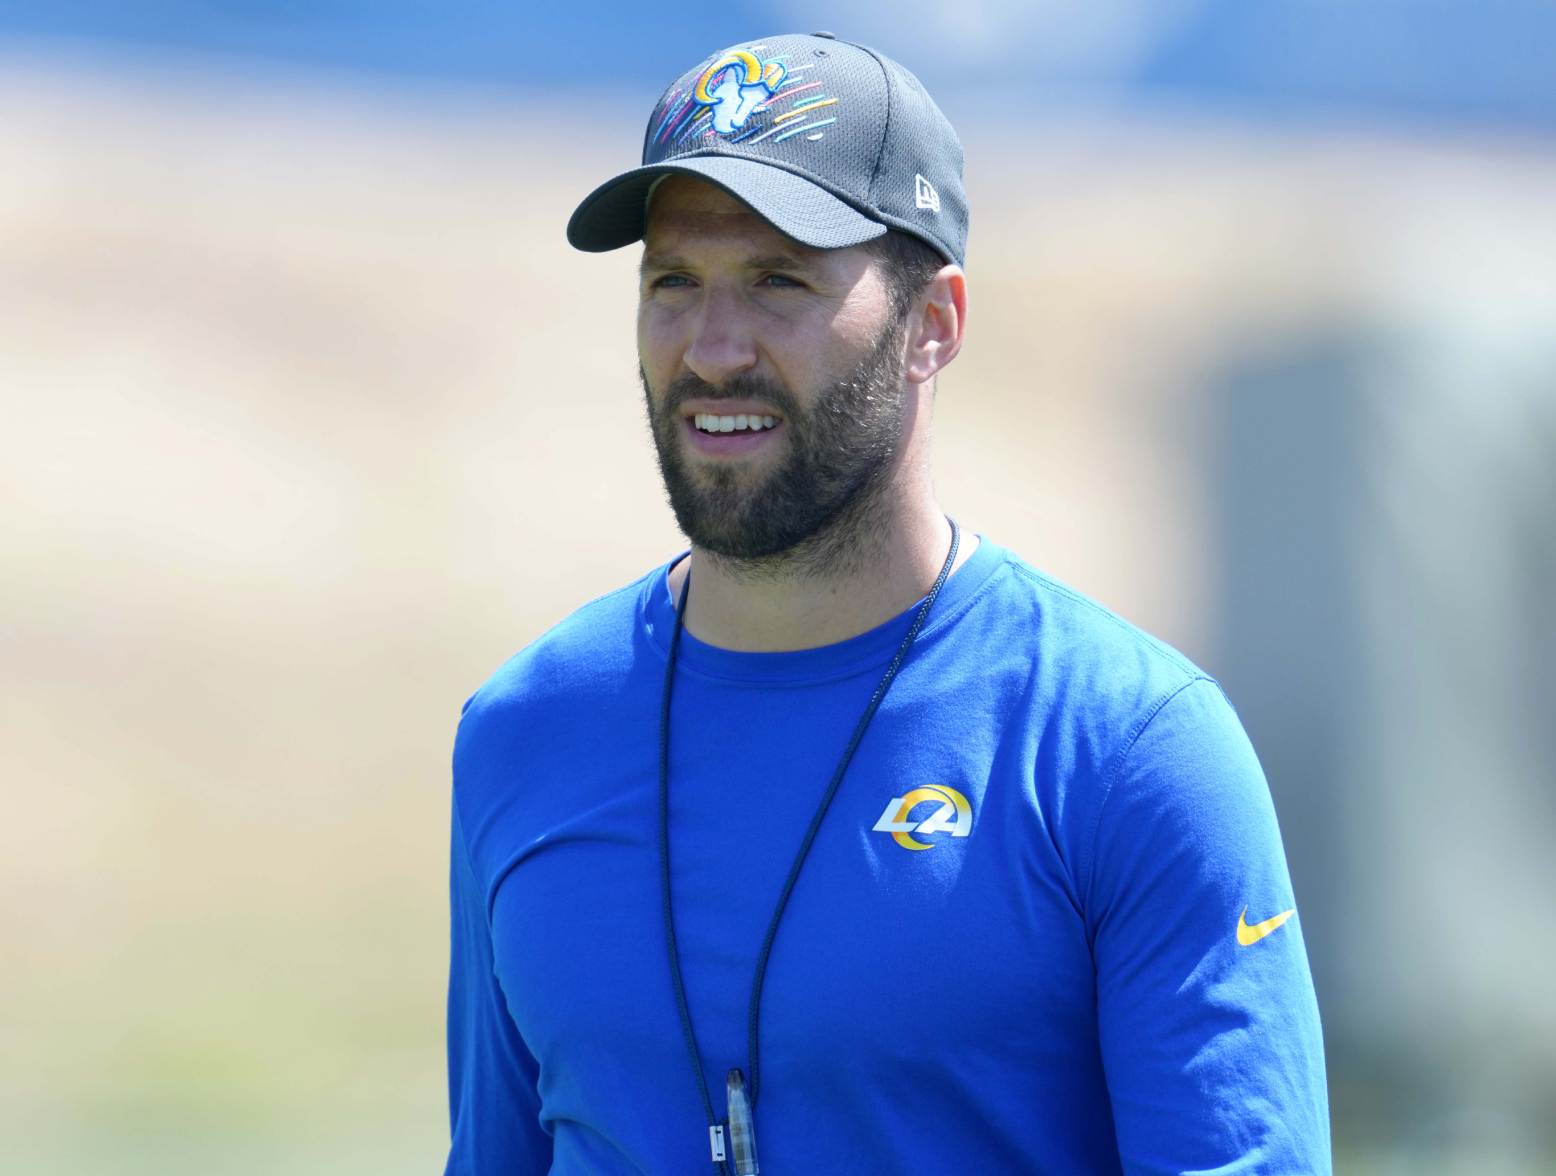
<point>830,142</point>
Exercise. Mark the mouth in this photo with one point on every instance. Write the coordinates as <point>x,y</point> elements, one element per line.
<point>731,434</point>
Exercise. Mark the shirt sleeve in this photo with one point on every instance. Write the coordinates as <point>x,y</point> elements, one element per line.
<point>493,1102</point>
<point>1207,1018</point>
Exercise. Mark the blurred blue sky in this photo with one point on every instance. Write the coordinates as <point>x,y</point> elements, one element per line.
<point>1474,61</point>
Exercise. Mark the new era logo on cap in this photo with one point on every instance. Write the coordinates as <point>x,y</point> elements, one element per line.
<point>924,194</point>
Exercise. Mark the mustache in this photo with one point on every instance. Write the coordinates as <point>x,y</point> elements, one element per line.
<point>743,386</point>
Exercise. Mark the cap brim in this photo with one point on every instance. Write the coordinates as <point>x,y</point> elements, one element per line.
<point>613,214</point>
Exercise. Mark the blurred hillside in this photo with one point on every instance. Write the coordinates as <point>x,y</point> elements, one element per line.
<point>313,418</point>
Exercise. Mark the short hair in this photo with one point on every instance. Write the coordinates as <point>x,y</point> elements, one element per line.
<point>907,262</point>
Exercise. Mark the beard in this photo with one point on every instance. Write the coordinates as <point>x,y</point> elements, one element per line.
<point>824,503</point>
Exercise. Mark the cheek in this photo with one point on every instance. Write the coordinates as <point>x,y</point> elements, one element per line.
<point>860,323</point>
<point>652,353</point>
<point>659,338</point>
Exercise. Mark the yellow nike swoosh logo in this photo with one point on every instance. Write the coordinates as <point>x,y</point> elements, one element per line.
<point>1248,936</point>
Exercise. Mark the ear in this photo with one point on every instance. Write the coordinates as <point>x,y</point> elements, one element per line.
<point>936,325</point>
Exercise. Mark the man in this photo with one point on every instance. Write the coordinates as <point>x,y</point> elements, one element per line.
<point>850,843</point>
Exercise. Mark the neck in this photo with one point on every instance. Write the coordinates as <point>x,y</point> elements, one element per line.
<point>868,566</point>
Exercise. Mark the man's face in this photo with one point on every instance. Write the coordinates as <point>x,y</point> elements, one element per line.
<point>799,346</point>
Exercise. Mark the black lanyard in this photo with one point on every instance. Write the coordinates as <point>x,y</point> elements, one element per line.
<point>753,1016</point>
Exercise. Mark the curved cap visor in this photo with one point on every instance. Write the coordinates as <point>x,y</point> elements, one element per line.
<point>613,214</point>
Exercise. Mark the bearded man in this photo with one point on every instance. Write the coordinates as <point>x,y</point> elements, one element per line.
<point>847,842</point>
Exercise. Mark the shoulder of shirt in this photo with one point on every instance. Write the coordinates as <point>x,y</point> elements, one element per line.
<point>1086,627</point>
<point>1105,673</point>
<point>1106,682</point>
<point>590,644</point>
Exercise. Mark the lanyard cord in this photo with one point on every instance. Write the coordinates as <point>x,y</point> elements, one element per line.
<point>753,1017</point>
<point>664,860</point>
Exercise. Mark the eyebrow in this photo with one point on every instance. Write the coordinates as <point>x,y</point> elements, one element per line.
<point>663,262</point>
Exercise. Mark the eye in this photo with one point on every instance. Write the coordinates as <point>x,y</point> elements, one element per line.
<point>670,282</point>
<point>782,281</point>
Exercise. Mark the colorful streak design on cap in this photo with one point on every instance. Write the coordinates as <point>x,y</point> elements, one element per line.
<point>729,90</point>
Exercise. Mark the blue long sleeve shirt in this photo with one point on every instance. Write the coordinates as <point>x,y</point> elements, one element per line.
<point>1047,925</point>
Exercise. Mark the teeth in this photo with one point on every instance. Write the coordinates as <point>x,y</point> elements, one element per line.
<point>709,422</point>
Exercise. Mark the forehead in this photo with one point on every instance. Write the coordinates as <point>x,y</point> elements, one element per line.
<point>685,209</point>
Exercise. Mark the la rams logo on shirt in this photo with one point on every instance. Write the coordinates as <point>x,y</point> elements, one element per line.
<point>909,814</point>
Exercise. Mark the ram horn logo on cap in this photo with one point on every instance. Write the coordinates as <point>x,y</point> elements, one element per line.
<point>743,81</point>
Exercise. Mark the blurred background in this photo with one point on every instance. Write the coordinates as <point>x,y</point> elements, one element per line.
<point>311,417</point>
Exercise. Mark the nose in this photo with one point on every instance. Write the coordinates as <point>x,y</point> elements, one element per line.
<point>722,343</point>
